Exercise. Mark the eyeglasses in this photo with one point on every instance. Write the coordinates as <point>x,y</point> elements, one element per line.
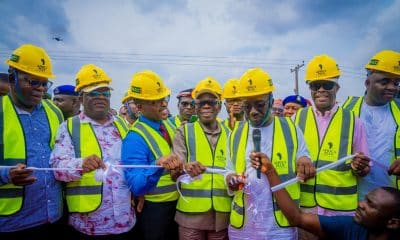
<point>259,106</point>
<point>106,94</point>
<point>187,103</point>
<point>166,100</point>
<point>277,110</point>
<point>38,83</point>
<point>325,85</point>
<point>202,103</point>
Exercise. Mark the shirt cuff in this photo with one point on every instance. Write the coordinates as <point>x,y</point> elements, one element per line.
<point>4,176</point>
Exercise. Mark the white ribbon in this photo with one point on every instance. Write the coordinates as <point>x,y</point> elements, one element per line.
<point>323,168</point>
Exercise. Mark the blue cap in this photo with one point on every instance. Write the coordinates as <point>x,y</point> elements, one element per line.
<point>295,99</point>
<point>65,90</point>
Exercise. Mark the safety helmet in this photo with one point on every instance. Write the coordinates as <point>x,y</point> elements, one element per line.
<point>126,96</point>
<point>254,82</point>
<point>386,61</point>
<point>91,75</point>
<point>31,59</point>
<point>208,85</point>
<point>322,67</point>
<point>147,85</point>
<point>230,89</point>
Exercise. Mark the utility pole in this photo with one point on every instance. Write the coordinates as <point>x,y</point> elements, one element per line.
<point>296,75</point>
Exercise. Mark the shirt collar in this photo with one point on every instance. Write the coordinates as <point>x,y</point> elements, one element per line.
<point>151,123</point>
<point>328,113</point>
<point>85,118</point>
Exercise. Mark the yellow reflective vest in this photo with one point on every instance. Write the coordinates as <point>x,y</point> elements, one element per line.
<point>13,148</point>
<point>334,189</point>
<point>210,192</point>
<point>284,151</point>
<point>85,195</point>
<point>354,104</point>
<point>165,190</point>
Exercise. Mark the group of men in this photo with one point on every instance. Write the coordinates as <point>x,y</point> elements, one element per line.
<point>117,175</point>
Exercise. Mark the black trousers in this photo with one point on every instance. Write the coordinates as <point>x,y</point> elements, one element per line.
<point>156,221</point>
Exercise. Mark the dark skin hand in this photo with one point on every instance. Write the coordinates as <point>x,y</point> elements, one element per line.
<point>20,176</point>
<point>170,162</point>
<point>360,164</point>
<point>394,169</point>
<point>91,163</point>
<point>194,168</point>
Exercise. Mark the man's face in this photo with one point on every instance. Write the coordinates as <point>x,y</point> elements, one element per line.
<point>256,108</point>
<point>381,87</point>
<point>290,109</point>
<point>186,107</point>
<point>155,110</point>
<point>375,210</point>
<point>32,89</point>
<point>323,93</point>
<point>234,106</point>
<point>207,108</point>
<point>96,104</point>
<point>66,103</point>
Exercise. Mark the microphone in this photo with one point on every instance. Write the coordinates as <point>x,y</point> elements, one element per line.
<point>256,141</point>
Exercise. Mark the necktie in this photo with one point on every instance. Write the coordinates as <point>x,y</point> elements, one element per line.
<point>165,134</point>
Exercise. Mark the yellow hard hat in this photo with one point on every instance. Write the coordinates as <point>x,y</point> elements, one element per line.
<point>322,67</point>
<point>93,76</point>
<point>126,97</point>
<point>386,61</point>
<point>147,85</point>
<point>230,88</point>
<point>31,59</point>
<point>207,85</point>
<point>254,82</point>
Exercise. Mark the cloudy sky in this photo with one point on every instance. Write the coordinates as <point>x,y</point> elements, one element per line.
<point>185,41</point>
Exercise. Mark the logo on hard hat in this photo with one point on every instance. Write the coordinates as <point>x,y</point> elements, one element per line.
<point>135,89</point>
<point>42,68</point>
<point>96,75</point>
<point>397,68</point>
<point>209,84</point>
<point>321,71</point>
<point>159,90</point>
<point>374,62</point>
<point>250,88</point>
<point>234,91</point>
<point>14,58</point>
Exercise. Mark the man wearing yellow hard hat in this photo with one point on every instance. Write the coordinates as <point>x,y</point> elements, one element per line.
<point>87,143</point>
<point>254,213</point>
<point>331,133</point>
<point>30,201</point>
<point>205,209</point>
<point>380,113</point>
<point>233,103</point>
<point>149,142</point>
<point>129,110</point>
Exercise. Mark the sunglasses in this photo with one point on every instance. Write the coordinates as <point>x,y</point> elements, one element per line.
<point>38,83</point>
<point>325,85</point>
<point>202,103</point>
<point>106,94</point>
<point>259,106</point>
<point>187,104</point>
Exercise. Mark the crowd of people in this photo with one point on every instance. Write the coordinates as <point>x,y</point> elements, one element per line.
<point>72,168</point>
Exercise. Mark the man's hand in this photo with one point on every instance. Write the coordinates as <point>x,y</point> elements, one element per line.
<point>394,169</point>
<point>91,163</point>
<point>140,203</point>
<point>194,168</point>
<point>170,162</point>
<point>20,176</point>
<point>360,164</point>
<point>257,157</point>
<point>305,169</point>
<point>235,181</point>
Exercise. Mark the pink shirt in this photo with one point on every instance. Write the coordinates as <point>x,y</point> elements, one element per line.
<point>359,145</point>
<point>115,215</point>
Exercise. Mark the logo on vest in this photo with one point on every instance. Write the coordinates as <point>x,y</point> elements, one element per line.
<point>329,151</point>
<point>221,156</point>
<point>279,163</point>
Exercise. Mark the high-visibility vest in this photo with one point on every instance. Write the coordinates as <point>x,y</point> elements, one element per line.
<point>334,189</point>
<point>85,195</point>
<point>165,191</point>
<point>170,126</point>
<point>284,151</point>
<point>123,123</point>
<point>13,148</point>
<point>354,104</point>
<point>177,121</point>
<point>209,192</point>
<point>226,123</point>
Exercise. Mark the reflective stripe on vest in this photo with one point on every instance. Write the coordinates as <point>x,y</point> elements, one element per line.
<point>283,157</point>
<point>165,190</point>
<point>209,192</point>
<point>336,188</point>
<point>13,148</point>
<point>354,104</point>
